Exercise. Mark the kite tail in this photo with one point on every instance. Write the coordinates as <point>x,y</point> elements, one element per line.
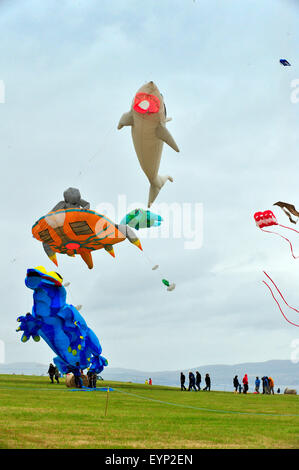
<point>155,187</point>
<point>50,253</point>
<point>289,228</point>
<point>295,324</point>
<point>275,233</point>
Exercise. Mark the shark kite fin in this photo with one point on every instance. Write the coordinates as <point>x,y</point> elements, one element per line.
<point>126,120</point>
<point>156,186</point>
<point>163,133</point>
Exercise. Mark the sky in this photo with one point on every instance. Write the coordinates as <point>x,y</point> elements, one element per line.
<point>70,70</point>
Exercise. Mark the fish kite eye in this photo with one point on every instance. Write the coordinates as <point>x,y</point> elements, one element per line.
<point>146,103</point>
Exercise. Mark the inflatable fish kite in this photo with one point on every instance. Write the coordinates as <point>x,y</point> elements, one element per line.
<point>80,231</point>
<point>59,324</point>
<point>140,218</point>
<point>147,119</point>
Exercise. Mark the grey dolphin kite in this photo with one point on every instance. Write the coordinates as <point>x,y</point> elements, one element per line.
<point>147,119</point>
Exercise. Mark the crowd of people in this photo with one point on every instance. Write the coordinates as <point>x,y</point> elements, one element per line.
<point>76,370</point>
<point>195,381</point>
<point>267,384</point>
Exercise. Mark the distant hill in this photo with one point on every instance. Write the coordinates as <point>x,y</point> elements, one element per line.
<point>26,368</point>
<point>285,373</point>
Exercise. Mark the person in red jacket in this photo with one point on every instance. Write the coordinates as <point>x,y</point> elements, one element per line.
<point>245,383</point>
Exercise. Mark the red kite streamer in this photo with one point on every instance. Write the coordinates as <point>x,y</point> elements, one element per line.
<point>292,308</point>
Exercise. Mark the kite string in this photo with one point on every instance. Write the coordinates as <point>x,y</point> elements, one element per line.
<point>280,293</point>
<point>158,271</point>
<point>275,233</point>
<point>289,228</point>
<point>104,143</point>
<point>279,305</point>
<point>294,324</point>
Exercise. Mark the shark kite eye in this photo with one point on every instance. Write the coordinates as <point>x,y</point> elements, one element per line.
<point>145,103</point>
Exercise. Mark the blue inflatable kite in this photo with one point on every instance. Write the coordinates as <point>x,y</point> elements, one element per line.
<point>59,324</point>
<point>140,218</point>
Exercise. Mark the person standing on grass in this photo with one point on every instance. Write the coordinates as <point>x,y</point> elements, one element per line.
<point>89,375</point>
<point>245,383</point>
<point>56,372</point>
<point>92,379</point>
<point>208,383</point>
<point>191,382</point>
<point>236,383</point>
<point>271,386</point>
<point>150,382</point>
<point>266,385</point>
<point>183,378</point>
<point>257,385</point>
<point>77,375</point>
<point>198,380</point>
<point>51,372</point>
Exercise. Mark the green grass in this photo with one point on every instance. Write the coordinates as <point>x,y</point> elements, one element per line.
<point>40,415</point>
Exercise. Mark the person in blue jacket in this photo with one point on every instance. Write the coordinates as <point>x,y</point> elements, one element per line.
<point>257,385</point>
<point>77,374</point>
<point>265,384</point>
<point>191,382</point>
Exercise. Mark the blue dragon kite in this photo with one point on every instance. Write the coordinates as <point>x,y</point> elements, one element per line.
<point>59,324</point>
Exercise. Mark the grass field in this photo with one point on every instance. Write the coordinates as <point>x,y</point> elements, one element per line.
<point>37,414</point>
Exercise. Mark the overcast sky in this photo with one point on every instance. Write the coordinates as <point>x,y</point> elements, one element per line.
<point>71,69</point>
